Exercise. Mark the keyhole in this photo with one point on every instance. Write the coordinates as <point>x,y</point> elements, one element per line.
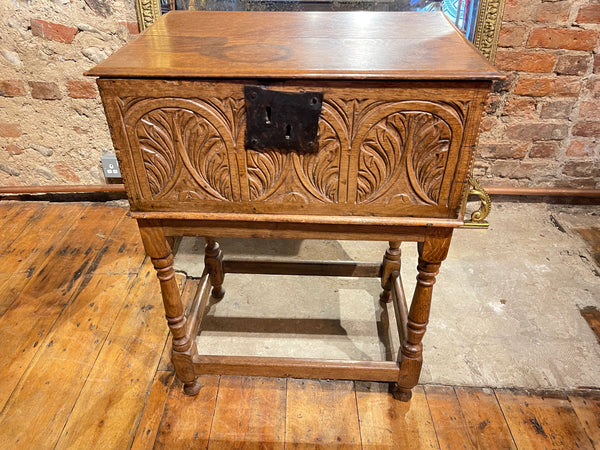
<point>268,115</point>
<point>288,131</point>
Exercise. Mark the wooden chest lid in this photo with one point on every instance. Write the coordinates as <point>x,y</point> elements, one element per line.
<point>306,45</point>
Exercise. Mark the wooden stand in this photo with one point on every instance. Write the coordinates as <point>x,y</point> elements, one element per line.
<point>412,321</point>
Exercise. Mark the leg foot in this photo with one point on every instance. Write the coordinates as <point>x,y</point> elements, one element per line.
<point>385,296</point>
<point>401,394</point>
<point>218,292</point>
<point>192,388</point>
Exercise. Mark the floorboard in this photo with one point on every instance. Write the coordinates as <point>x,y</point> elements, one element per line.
<point>24,254</point>
<point>84,364</point>
<point>249,411</point>
<point>587,408</point>
<point>11,285</point>
<point>13,219</point>
<point>542,421</point>
<point>388,423</point>
<point>321,413</point>
<point>192,428</point>
<point>31,316</point>
<point>118,385</point>
<point>153,410</point>
<point>484,418</point>
<point>449,422</point>
<point>62,364</point>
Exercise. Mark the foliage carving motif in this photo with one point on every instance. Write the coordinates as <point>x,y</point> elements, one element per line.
<point>320,172</point>
<point>414,141</point>
<point>264,170</point>
<point>369,151</point>
<point>173,137</point>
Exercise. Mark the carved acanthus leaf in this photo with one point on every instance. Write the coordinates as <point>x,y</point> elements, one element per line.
<point>158,152</point>
<point>427,154</point>
<point>171,135</point>
<point>416,140</point>
<point>321,171</point>
<point>264,171</point>
<point>231,111</point>
<point>379,156</point>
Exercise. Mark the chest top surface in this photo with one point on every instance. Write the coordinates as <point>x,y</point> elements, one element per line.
<point>299,45</point>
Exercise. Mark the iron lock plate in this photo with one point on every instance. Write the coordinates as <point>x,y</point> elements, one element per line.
<point>282,120</point>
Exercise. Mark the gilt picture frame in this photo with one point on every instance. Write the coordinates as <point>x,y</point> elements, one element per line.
<point>485,36</point>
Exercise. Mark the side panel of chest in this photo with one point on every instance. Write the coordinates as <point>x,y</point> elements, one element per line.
<point>384,149</point>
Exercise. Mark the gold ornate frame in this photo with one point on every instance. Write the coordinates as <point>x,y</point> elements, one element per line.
<point>147,12</point>
<point>487,29</point>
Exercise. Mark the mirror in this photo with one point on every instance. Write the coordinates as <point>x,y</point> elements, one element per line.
<point>480,20</point>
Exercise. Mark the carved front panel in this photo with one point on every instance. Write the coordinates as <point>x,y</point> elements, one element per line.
<point>390,153</point>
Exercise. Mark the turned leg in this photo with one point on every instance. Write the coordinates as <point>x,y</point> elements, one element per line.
<point>213,262</point>
<point>431,254</point>
<point>391,263</point>
<point>184,345</point>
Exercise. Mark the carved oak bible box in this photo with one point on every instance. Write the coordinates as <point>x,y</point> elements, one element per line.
<point>210,117</point>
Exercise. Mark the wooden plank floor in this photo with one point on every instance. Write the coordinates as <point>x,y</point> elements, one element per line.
<point>82,365</point>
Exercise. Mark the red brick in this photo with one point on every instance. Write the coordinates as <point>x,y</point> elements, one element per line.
<point>520,169</point>
<point>12,88</point>
<point>45,90</point>
<point>518,10</point>
<point>537,131</point>
<point>53,31</point>
<point>13,149</point>
<point>580,149</point>
<point>81,89</point>
<point>590,109</point>
<point>589,14</point>
<point>480,169</point>
<point>132,27</point>
<point>567,86</point>
<point>487,123</point>
<point>593,86</point>
<point>566,38</point>
<point>572,64</point>
<point>534,87</point>
<point>525,61</point>
<point>11,130</point>
<point>520,107</point>
<point>576,183</point>
<point>503,150</point>
<point>543,150</point>
<point>553,12</point>
<point>557,109</point>
<point>587,128</point>
<point>581,169</point>
<point>506,84</point>
<point>596,63</point>
<point>66,171</point>
<point>493,103</point>
<point>511,35</point>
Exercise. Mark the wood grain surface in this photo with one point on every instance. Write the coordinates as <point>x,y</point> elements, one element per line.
<point>350,45</point>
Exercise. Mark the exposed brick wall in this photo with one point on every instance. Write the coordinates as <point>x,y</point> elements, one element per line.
<point>543,123</point>
<point>542,128</point>
<point>52,126</point>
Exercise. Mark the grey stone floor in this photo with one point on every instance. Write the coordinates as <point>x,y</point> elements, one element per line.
<point>505,307</point>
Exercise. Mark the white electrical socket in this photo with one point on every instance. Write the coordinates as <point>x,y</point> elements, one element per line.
<point>110,166</point>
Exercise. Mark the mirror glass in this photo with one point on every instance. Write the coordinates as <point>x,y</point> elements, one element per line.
<point>462,12</point>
